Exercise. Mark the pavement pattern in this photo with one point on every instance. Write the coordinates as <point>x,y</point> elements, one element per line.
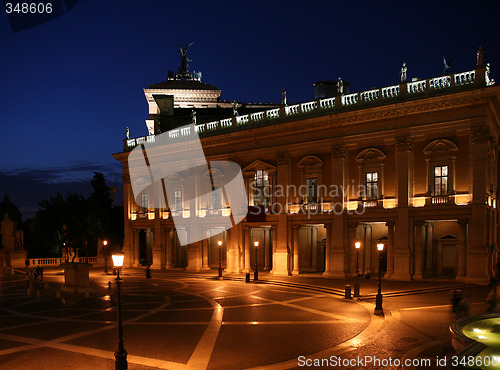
<point>181,321</point>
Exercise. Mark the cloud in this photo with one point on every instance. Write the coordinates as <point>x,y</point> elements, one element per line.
<point>26,187</point>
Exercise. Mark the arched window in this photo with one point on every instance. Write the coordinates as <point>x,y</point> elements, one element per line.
<point>311,171</point>
<point>371,175</point>
<point>259,178</point>
<point>440,156</point>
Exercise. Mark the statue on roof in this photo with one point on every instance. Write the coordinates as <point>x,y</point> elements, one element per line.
<point>193,117</point>
<point>184,68</point>
<point>235,108</point>
<point>487,77</point>
<point>480,57</point>
<point>447,65</point>
<point>283,97</point>
<point>402,73</point>
<point>340,86</point>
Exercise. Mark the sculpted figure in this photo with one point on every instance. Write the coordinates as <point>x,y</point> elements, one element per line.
<point>403,72</point>
<point>7,229</point>
<point>183,69</point>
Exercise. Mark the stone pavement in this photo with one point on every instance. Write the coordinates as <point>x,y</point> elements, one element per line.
<point>194,321</point>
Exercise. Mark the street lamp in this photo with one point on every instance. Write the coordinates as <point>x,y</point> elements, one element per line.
<point>378,299</point>
<point>356,278</point>
<point>120,353</point>
<point>220,258</point>
<point>256,272</point>
<point>105,250</point>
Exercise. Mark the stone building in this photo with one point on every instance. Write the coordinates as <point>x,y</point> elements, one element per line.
<point>413,166</point>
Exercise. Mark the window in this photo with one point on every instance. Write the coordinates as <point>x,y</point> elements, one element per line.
<point>371,185</point>
<point>261,188</point>
<point>441,180</point>
<point>177,200</point>
<point>312,190</point>
<point>216,198</point>
<point>144,201</point>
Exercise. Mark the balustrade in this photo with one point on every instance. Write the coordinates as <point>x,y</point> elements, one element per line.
<point>415,87</point>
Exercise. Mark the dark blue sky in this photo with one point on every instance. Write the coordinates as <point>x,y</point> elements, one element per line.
<point>69,87</point>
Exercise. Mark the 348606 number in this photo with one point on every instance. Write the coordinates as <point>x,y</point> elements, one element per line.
<point>25,8</point>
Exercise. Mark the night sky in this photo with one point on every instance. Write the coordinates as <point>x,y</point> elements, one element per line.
<point>69,87</point>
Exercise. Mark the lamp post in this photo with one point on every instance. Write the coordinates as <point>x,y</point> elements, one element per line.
<point>378,299</point>
<point>120,353</point>
<point>220,258</point>
<point>256,272</point>
<point>356,278</point>
<point>105,250</point>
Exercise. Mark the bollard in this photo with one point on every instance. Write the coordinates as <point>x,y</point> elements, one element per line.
<point>58,294</point>
<point>347,292</point>
<point>356,288</point>
<point>38,293</point>
<point>46,285</point>
<point>247,277</point>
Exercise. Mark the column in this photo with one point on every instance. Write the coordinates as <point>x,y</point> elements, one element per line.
<point>390,248</point>
<point>339,235</point>
<point>295,240</point>
<point>280,255</point>
<point>267,248</point>
<point>418,249</point>
<point>462,248</point>
<point>429,235</point>
<point>402,235</point>
<point>328,252</point>
<point>204,251</point>
<point>168,247</point>
<point>478,243</point>
<point>247,249</point>
<point>158,243</point>
<point>352,248</point>
<point>232,249</point>
<point>135,248</point>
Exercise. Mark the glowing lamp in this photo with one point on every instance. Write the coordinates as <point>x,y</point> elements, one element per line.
<point>357,245</point>
<point>118,259</point>
<point>380,247</point>
<point>256,243</point>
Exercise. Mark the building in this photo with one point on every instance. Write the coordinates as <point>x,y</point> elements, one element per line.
<point>413,166</point>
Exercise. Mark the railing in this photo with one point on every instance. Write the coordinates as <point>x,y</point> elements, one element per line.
<point>273,113</point>
<point>349,99</point>
<point>57,261</point>
<point>440,82</point>
<point>440,199</point>
<point>465,78</point>
<point>292,109</point>
<point>370,203</point>
<point>390,91</point>
<point>241,120</point>
<point>327,103</point>
<point>370,95</point>
<point>415,87</point>
<point>309,106</point>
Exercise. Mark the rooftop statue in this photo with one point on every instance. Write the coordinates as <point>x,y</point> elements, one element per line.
<point>235,108</point>
<point>402,73</point>
<point>447,65</point>
<point>480,57</point>
<point>184,68</point>
<point>283,97</point>
<point>340,86</point>
<point>7,229</point>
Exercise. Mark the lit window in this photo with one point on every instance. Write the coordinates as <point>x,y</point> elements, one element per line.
<point>216,198</point>
<point>177,200</point>
<point>371,185</point>
<point>261,188</point>
<point>144,201</point>
<point>441,180</point>
<point>312,190</point>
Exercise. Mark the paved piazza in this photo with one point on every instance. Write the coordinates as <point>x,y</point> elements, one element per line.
<point>176,321</point>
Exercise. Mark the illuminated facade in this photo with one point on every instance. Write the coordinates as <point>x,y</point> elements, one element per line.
<point>413,165</point>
